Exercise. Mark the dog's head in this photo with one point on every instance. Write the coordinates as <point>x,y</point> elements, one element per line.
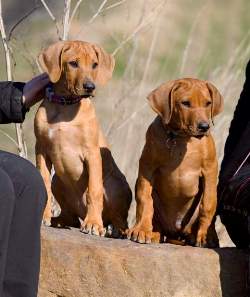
<point>187,105</point>
<point>75,67</point>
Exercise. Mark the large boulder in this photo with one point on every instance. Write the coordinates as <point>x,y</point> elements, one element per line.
<point>78,265</point>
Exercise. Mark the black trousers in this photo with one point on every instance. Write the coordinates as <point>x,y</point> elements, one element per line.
<point>22,201</point>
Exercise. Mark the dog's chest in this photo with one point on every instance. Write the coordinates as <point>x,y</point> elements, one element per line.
<point>178,183</point>
<point>176,188</point>
<point>52,132</point>
<point>179,173</point>
<point>64,147</point>
<point>60,135</point>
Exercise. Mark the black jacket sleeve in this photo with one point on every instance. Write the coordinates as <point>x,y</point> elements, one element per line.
<point>11,107</point>
<point>240,120</point>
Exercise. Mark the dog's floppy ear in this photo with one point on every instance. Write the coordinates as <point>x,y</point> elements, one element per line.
<point>217,100</point>
<point>161,100</point>
<point>51,60</point>
<point>106,64</point>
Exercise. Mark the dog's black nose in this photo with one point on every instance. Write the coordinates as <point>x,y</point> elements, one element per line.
<point>89,86</point>
<point>203,126</point>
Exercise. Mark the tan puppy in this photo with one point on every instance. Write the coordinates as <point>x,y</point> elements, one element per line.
<point>176,185</point>
<point>87,183</point>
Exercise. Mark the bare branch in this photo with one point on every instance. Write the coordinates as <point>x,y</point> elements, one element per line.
<point>139,88</point>
<point>113,5</point>
<point>74,11</point>
<point>131,117</point>
<point>19,133</point>
<point>242,46</point>
<point>98,12</point>
<point>8,136</point>
<point>52,17</point>
<point>67,4</point>
<point>5,45</point>
<point>103,9</point>
<point>150,55</point>
<point>190,38</point>
<point>38,66</point>
<point>147,20</point>
<point>49,11</point>
<point>20,21</point>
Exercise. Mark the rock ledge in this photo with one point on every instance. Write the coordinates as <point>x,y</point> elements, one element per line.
<point>78,265</point>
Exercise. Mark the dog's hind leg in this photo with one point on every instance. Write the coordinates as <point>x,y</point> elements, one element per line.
<point>117,201</point>
<point>66,218</point>
<point>117,194</point>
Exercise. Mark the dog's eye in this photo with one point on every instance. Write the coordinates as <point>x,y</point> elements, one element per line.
<point>186,103</point>
<point>74,64</point>
<point>208,103</point>
<point>94,65</point>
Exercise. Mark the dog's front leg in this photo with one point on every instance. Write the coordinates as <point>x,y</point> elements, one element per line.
<point>142,231</point>
<point>44,165</point>
<point>92,223</point>
<point>207,205</point>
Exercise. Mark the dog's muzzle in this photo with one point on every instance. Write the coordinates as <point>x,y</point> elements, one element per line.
<point>89,87</point>
<point>203,127</point>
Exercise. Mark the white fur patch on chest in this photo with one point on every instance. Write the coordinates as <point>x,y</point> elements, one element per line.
<point>51,133</point>
<point>178,223</point>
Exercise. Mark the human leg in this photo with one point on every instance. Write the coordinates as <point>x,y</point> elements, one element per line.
<point>23,251</point>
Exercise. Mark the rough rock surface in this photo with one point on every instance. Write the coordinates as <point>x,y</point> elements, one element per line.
<point>78,265</point>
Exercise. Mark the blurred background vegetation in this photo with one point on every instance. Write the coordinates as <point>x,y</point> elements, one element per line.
<point>153,41</point>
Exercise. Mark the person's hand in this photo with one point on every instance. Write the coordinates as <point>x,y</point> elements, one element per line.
<point>33,90</point>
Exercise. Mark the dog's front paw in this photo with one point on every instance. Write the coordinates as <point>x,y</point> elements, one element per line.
<point>92,226</point>
<point>201,239</point>
<point>47,216</point>
<point>140,235</point>
<point>46,221</point>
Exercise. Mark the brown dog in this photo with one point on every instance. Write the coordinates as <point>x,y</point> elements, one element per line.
<point>87,183</point>
<point>176,186</point>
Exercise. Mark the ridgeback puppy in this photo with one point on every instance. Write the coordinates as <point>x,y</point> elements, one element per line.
<point>89,187</point>
<point>176,186</point>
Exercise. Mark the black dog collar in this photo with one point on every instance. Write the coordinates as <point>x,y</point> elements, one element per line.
<point>63,100</point>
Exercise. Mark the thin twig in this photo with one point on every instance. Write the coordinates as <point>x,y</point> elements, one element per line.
<point>24,49</point>
<point>131,117</point>
<point>131,60</point>
<point>235,55</point>
<point>20,21</point>
<point>118,102</point>
<point>98,12</point>
<point>67,4</point>
<point>52,17</point>
<point>150,55</point>
<point>19,133</point>
<point>103,9</point>
<point>5,45</point>
<point>128,120</point>
<point>48,10</point>
<point>38,65</point>
<point>74,11</point>
<point>146,22</point>
<point>113,5</point>
<point>190,39</point>
<point>8,136</point>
